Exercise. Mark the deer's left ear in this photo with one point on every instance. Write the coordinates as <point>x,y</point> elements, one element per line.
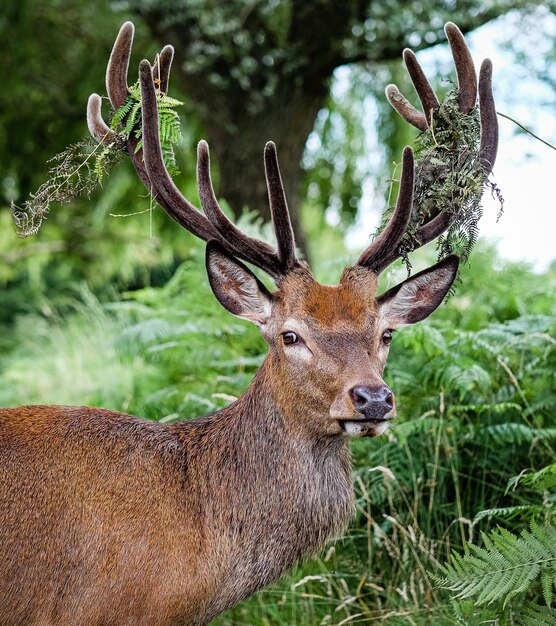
<point>236,287</point>
<point>417,297</point>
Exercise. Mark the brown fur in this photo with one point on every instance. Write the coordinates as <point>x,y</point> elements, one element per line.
<point>113,520</point>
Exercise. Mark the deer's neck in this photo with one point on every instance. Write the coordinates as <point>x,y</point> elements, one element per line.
<point>269,494</point>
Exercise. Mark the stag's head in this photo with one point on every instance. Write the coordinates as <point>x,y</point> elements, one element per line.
<point>328,344</point>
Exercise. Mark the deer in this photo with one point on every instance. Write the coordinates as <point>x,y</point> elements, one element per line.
<point>113,520</point>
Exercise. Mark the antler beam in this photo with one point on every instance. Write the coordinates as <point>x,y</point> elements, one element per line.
<point>149,164</point>
<point>375,257</point>
<point>384,249</point>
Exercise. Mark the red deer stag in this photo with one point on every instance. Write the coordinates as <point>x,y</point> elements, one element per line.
<point>111,520</point>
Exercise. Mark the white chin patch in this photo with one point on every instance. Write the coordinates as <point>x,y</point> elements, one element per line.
<point>353,429</point>
<point>364,429</point>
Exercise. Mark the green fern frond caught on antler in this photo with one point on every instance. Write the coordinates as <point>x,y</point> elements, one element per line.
<point>456,152</point>
<point>128,120</point>
<point>449,179</point>
<point>76,173</point>
<point>81,167</point>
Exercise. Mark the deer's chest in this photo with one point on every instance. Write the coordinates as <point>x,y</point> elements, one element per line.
<point>294,511</point>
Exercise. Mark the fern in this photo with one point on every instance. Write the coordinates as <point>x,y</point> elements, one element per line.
<point>509,512</point>
<point>516,433</point>
<point>535,615</point>
<point>508,565</point>
<point>539,481</point>
<point>127,120</point>
<point>449,178</point>
<point>77,174</point>
<point>74,174</point>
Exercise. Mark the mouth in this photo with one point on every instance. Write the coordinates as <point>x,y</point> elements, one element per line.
<point>372,427</point>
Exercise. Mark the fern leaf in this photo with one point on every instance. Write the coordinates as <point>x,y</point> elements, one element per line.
<point>122,113</point>
<point>516,433</point>
<point>535,615</point>
<point>506,566</point>
<point>170,102</point>
<point>541,480</point>
<point>509,512</point>
<point>132,119</point>
<point>547,584</point>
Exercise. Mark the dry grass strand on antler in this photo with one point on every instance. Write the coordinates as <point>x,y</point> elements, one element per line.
<point>76,173</point>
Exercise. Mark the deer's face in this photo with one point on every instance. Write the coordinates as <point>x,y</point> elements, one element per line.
<point>329,345</point>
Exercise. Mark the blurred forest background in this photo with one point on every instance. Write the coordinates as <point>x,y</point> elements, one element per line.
<point>109,304</point>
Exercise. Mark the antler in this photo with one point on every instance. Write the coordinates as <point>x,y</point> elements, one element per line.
<point>384,250</point>
<point>150,167</point>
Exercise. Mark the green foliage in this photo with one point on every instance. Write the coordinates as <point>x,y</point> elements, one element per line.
<point>76,174</point>
<point>57,56</point>
<point>127,120</point>
<point>527,614</point>
<point>449,177</point>
<point>538,481</point>
<point>337,159</point>
<point>508,566</point>
<point>149,344</point>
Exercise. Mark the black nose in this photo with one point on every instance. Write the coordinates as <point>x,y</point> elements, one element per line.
<point>372,402</point>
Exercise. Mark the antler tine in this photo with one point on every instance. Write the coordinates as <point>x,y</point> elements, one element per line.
<point>118,90</point>
<point>409,113</point>
<point>467,82</point>
<point>489,121</point>
<point>162,66</point>
<point>285,239</point>
<point>98,128</point>
<point>383,250</point>
<point>465,69</point>
<point>116,70</point>
<point>426,94</point>
<point>162,186</point>
<point>237,242</point>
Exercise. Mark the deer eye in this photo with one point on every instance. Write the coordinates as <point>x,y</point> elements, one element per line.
<point>387,337</point>
<point>289,338</point>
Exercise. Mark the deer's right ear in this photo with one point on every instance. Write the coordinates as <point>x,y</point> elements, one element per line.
<point>236,287</point>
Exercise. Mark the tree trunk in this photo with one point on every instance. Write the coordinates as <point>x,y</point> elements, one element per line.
<point>277,98</point>
<point>287,121</point>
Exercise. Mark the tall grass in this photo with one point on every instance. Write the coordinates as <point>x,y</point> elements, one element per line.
<point>476,393</point>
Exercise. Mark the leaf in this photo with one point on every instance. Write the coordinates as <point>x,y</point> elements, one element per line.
<point>547,583</point>
<point>505,567</point>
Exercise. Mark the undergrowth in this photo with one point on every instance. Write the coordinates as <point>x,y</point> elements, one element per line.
<point>473,447</point>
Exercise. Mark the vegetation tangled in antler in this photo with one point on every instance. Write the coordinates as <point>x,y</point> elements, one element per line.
<point>74,174</point>
<point>458,148</point>
<point>449,176</point>
<point>454,155</point>
<point>82,166</point>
